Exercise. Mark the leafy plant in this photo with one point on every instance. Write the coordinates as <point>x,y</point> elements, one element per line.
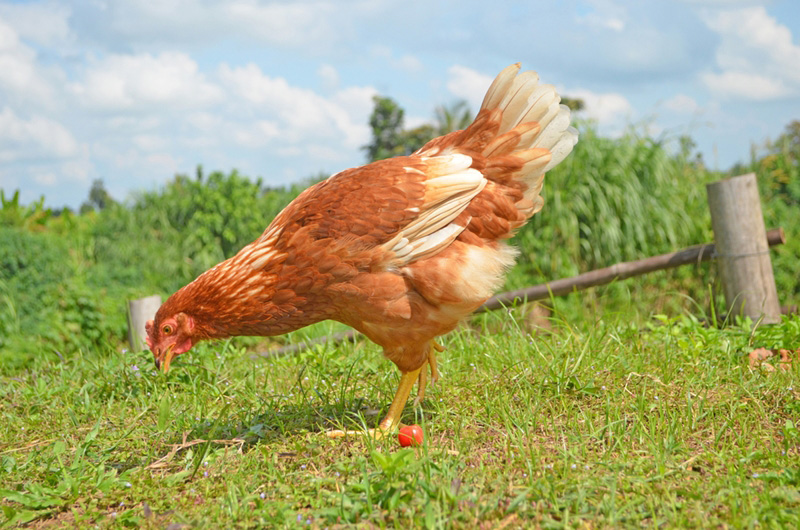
<point>62,486</point>
<point>12,213</point>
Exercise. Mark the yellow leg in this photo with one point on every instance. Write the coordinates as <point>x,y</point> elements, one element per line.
<point>423,375</point>
<point>392,418</point>
<point>407,380</point>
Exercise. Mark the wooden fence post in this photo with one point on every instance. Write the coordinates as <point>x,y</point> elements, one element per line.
<point>742,251</point>
<point>139,312</point>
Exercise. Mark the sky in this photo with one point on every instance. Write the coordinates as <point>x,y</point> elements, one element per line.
<point>134,92</point>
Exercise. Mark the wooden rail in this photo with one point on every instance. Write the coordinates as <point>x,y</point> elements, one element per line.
<point>620,271</point>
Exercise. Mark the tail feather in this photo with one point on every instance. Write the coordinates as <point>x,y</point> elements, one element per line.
<point>532,120</point>
<point>521,132</point>
<point>500,87</point>
<point>508,141</point>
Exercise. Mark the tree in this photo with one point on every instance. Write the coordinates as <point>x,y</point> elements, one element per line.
<point>790,139</point>
<point>99,198</point>
<point>781,165</point>
<point>389,138</point>
<point>386,122</point>
<point>575,104</point>
<point>453,117</point>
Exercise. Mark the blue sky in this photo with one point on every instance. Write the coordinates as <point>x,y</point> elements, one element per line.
<point>133,92</point>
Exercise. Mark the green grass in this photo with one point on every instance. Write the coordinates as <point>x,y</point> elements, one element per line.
<point>613,421</point>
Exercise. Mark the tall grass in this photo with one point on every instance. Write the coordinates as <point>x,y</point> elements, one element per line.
<point>778,172</point>
<point>615,200</point>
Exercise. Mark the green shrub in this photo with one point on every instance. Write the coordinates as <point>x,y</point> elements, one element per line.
<point>14,214</point>
<point>168,237</point>
<point>45,306</point>
<point>32,265</point>
<point>614,200</point>
<point>778,173</point>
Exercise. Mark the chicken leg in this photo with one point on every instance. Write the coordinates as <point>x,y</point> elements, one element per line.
<point>423,375</point>
<point>407,380</point>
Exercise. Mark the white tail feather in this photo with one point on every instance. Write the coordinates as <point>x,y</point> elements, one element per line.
<point>523,100</point>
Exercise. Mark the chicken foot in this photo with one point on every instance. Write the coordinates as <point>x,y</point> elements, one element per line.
<point>423,375</point>
<point>407,380</point>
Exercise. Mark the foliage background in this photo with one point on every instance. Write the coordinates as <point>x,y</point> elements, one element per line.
<point>65,277</point>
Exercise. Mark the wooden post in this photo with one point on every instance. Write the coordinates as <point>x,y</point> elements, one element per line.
<point>139,312</point>
<point>742,250</point>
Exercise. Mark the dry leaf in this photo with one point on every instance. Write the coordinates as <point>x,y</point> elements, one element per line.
<point>758,357</point>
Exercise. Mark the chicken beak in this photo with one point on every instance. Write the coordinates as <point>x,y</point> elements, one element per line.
<point>167,359</point>
<point>162,363</point>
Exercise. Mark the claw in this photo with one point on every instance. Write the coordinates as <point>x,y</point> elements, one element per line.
<point>376,434</point>
<point>392,419</point>
<point>422,383</point>
<point>423,375</point>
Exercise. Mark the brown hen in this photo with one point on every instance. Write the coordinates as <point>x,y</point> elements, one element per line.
<point>401,249</point>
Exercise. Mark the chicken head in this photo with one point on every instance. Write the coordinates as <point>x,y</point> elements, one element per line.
<point>171,336</point>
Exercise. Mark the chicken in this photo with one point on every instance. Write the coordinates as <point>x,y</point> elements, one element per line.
<point>400,249</point>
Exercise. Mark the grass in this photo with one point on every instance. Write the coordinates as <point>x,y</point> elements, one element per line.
<point>597,423</point>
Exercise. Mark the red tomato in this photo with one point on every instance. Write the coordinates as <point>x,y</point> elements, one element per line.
<point>410,435</point>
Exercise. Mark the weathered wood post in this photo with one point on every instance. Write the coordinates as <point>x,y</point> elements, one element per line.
<point>742,250</point>
<point>139,312</point>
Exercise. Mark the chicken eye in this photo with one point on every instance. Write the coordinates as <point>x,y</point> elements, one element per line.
<point>167,329</point>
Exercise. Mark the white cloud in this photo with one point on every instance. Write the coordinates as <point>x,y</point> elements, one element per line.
<point>77,169</point>
<point>611,110</point>
<point>468,84</point>
<point>745,85</point>
<point>45,179</point>
<point>250,83</point>
<point>682,104</point>
<point>46,24</point>
<point>606,15</point>
<point>406,63</point>
<point>329,76</point>
<point>409,63</point>
<point>125,82</point>
<point>307,25</point>
<point>301,113</point>
<point>757,58</point>
<point>608,109</point>
<point>36,138</point>
<point>296,24</point>
<point>722,3</point>
<point>257,134</point>
<point>150,142</point>
<point>22,78</point>
<point>133,91</point>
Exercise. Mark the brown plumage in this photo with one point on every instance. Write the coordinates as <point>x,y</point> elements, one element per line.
<point>401,249</point>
